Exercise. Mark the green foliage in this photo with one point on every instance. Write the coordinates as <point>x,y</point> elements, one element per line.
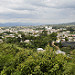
<point>43,40</point>
<point>35,42</point>
<point>8,32</point>
<point>12,40</point>
<point>66,39</point>
<point>44,33</point>
<point>15,60</point>
<point>53,36</point>
<point>66,49</point>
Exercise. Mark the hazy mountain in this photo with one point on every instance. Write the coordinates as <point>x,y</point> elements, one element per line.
<point>30,24</point>
<point>18,24</point>
<point>71,23</point>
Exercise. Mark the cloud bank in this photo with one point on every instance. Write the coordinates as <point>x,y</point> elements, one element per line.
<point>37,11</point>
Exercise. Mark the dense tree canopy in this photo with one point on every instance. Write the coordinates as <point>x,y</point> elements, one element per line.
<point>15,60</point>
<point>21,58</point>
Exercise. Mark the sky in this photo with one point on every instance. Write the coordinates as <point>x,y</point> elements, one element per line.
<point>37,11</point>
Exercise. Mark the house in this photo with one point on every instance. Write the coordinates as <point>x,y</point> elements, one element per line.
<point>27,41</point>
<point>70,38</point>
<point>40,49</point>
<point>36,35</point>
<point>60,52</point>
<point>19,35</point>
<point>68,44</point>
<point>63,39</point>
<point>11,35</point>
<point>58,40</point>
<point>48,28</point>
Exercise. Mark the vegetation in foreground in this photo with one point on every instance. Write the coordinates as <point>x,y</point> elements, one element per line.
<point>20,58</point>
<point>15,60</point>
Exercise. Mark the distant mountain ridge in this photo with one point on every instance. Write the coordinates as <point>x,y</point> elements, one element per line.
<point>30,24</point>
<point>71,23</point>
<point>17,24</point>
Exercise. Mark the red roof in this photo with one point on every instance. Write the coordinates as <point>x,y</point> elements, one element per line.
<point>73,35</point>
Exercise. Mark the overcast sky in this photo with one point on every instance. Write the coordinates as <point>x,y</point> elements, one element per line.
<point>37,11</point>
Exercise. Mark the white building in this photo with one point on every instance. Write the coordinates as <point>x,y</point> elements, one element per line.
<point>60,52</point>
<point>48,28</point>
<point>27,41</point>
<point>40,49</point>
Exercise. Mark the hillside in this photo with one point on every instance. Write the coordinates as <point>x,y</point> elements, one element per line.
<point>31,24</point>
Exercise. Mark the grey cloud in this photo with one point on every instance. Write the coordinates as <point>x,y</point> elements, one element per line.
<point>54,3</point>
<point>22,8</point>
<point>64,4</point>
<point>40,10</point>
<point>12,16</point>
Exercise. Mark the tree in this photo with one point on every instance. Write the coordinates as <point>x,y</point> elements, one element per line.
<point>53,36</point>
<point>44,33</point>
<point>66,39</point>
<point>15,60</point>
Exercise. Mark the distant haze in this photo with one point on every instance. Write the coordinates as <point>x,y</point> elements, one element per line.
<point>31,24</point>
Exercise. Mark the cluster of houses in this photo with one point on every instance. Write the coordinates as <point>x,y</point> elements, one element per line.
<point>65,34</point>
<point>60,37</point>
